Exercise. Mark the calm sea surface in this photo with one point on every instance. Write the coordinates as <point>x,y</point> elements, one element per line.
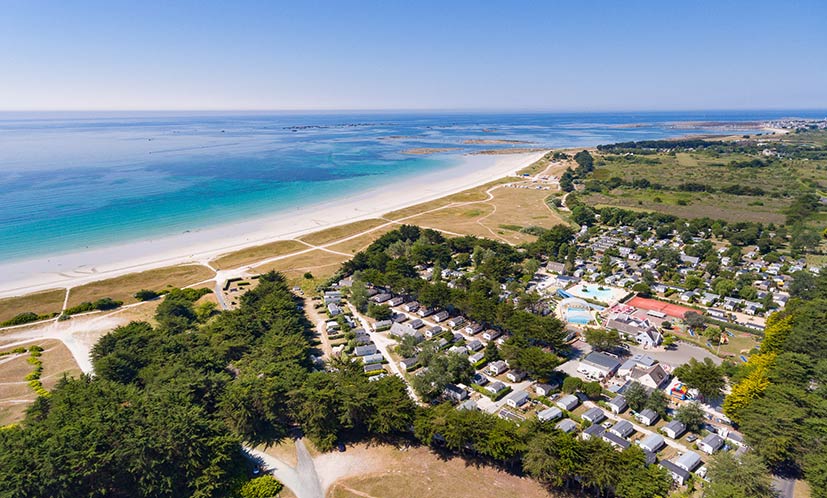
<point>75,181</point>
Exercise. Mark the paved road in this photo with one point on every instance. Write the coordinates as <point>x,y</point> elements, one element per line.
<point>784,486</point>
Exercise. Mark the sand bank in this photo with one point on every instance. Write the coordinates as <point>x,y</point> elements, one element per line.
<point>78,268</point>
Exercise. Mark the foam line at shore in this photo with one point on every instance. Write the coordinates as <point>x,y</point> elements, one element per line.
<point>78,268</point>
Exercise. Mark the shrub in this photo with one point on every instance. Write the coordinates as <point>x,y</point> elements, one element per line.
<point>265,486</point>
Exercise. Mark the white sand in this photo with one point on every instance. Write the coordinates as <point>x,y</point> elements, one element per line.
<point>70,270</point>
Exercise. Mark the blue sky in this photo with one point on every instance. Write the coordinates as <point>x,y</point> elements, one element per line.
<point>450,54</point>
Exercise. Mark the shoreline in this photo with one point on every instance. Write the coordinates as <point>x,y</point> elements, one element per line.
<point>199,247</point>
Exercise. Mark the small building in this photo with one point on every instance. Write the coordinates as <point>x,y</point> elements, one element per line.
<point>549,414</point>
<point>618,404</point>
<point>497,367</point>
<point>598,365</point>
<point>594,415</point>
<point>468,404</point>
<point>381,298</point>
<point>456,321</point>
<point>473,328</point>
<point>476,357</point>
<point>407,364</point>
<point>688,461</point>
<point>425,312</point>
<point>615,440</point>
<point>411,306</point>
<point>491,334</point>
<point>495,387</point>
<point>622,428</point>
<point>432,332</point>
<point>396,301</point>
<point>568,402</point>
<point>711,443</point>
<point>441,316</point>
<point>648,417</point>
<point>652,442</point>
<point>679,475</point>
<point>674,429</point>
<point>515,375</point>
<point>365,350</point>
<point>543,389</point>
<point>566,425</point>
<point>373,358</point>
<point>474,345</point>
<point>416,323</point>
<point>455,392</point>
<point>382,325</point>
<point>653,377</point>
<point>593,431</point>
<point>333,309</point>
<point>373,367</point>
<point>516,399</point>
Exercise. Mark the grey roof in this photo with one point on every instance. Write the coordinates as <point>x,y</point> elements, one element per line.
<point>623,427</point>
<point>566,425</point>
<point>618,401</point>
<point>671,467</point>
<point>688,461</point>
<point>616,440</point>
<point>594,414</point>
<point>550,413</point>
<point>650,414</point>
<point>650,457</point>
<point>568,400</point>
<point>713,440</point>
<point>518,397</point>
<point>652,442</point>
<point>602,360</point>
<point>595,430</point>
<point>676,426</point>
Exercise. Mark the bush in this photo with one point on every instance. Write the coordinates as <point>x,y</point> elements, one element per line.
<point>25,317</point>
<point>146,295</point>
<point>265,486</point>
<point>308,275</point>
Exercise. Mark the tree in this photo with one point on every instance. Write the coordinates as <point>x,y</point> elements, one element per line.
<point>706,377</point>
<point>738,477</point>
<point>691,415</point>
<point>572,384</point>
<point>265,486</point>
<point>145,295</point>
<point>694,319</point>
<point>379,312</point>
<point>491,352</point>
<point>658,402</point>
<point>636,396</point>
<point>554,459</point>
<point>592,389</point>
<point>643,289</point>
<point>602,339</point>
<point>583,215</point>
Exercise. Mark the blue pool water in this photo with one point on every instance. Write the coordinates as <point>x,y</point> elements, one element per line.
<point>74,181</point>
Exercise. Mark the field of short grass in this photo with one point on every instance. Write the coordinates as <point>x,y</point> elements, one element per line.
<point>339,232</point>
<point>419,472</point>
<point>124,287</point>
<point>42,303</point>
<point>256,253</point>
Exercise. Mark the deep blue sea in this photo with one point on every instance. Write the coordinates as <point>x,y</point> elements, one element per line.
<point>80,180</point>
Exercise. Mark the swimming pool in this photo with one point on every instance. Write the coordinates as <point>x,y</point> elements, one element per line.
<point>604,293</point>
<point>578,316</point>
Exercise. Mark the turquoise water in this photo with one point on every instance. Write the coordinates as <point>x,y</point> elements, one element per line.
<point>74,181</point>
<point>581,317</point>
<point>592,291</point>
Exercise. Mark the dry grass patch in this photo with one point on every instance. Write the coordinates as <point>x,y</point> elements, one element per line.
<point>124,287</point>
<point>57,360</point>
<point>361,242</point>
<point>461,219</point>
<point>391,473</point>
<point>318,262</point>
<point>50,301</point>
<point>339,232</point>
<point>254,254</point>
<point>475,194</point>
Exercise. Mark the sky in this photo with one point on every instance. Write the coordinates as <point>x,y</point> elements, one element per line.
<point>448,54</point>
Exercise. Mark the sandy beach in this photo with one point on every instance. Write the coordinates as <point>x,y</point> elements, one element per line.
<point>78,268</point>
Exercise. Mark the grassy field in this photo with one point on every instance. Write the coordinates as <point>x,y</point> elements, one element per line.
<point>257,253</point>
<point>124,287</point>
<point>391,473</point>
<point>781,181</point>
<point>320,263</point>
<point>356,244</point>
<point>333,234</point>
<point>15,393</point>
<point>727,207</point>
<point>42,303</point>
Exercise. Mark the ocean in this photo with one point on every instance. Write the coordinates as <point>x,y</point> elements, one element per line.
<point>77,181</point>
